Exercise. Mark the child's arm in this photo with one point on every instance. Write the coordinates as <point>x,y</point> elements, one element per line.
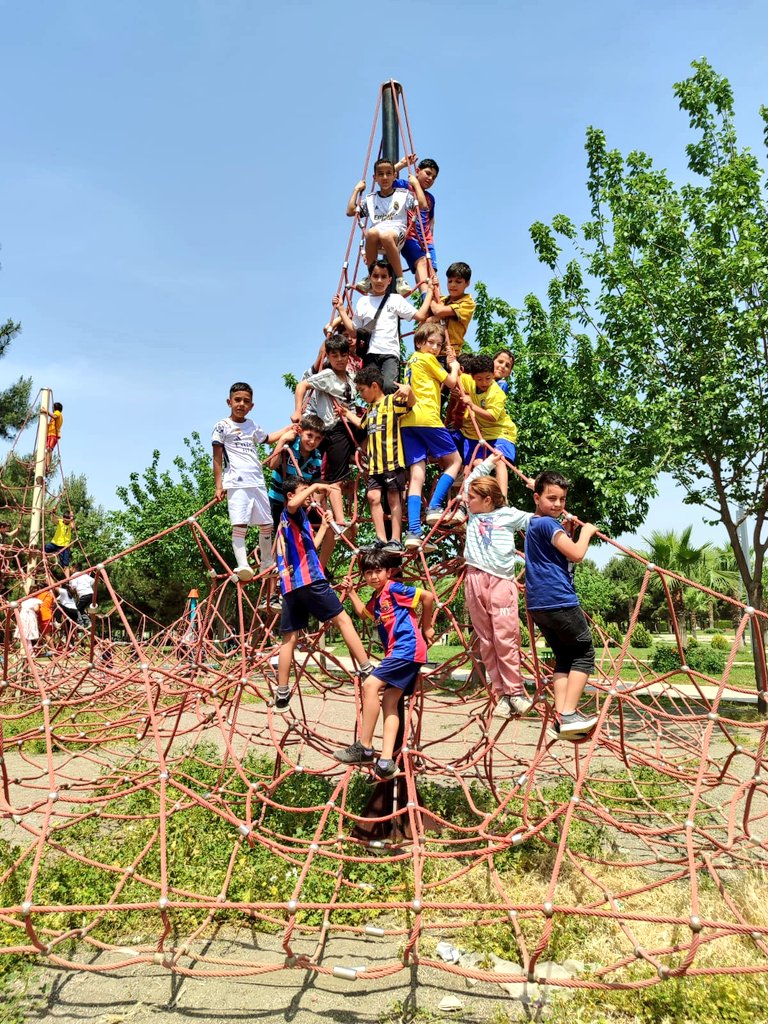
<point>282,434</point>
<point>442,311</point>
<point>300,495</point>
<point>480,413</point>
<point>357,605</point>
<point>424,310</point>
<point>455,369</point>
<point>344,317</point>
<point>348,414</point>
<point>411,159</point>
<point>405,394</point>
<point>218,459</point>
<point>418,191</point>
<point>575,551</point>
<point>427,615</point>
<point>301,389</point>
<point>353,199</point>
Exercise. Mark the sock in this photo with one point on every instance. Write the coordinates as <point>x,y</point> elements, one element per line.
<point>414,513</point>
<point>265,547</point>
<point>283,691</point>
<point>366,669</point>
<point>384,762</point>
<point>367,750</point>
<point>442,490</point>
<point>238,545</point>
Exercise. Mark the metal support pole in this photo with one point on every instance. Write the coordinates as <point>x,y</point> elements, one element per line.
<point>390,136</point>
<point>38,492</point>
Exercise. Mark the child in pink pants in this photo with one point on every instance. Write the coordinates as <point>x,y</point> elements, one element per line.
<point>490,587</point>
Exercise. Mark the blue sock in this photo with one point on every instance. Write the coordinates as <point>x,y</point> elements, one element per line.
<point>414,513</point>
<point>441,491</point>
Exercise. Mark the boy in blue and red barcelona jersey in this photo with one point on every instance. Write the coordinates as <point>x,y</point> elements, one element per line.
<point>405,642</point>
<point>305,589</point>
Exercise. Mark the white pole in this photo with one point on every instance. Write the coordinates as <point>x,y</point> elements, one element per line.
<point>38,493</point>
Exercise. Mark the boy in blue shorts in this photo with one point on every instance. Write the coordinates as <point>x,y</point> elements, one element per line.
<point>419,238</point>
<point>405,640</point>
<point>305,589</point>
<point>550,596</point>
<point>423,431</point>
<point>485,405</point>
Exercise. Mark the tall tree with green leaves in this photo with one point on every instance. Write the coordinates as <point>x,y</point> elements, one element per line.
<point>14,400</point>
<point>669,282</point>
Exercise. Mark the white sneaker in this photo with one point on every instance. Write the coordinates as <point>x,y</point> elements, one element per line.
<point>244,573</point>
<point>434,515</point>
<point>402,287</point>
<point>502,709</point>
<point>520,704</point>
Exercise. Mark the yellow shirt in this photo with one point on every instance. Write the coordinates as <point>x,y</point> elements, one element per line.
<point>62,535</point>
<point>54,424</point>
<point>425,375</point>
<point>494,401</point>
<point>457,325</point>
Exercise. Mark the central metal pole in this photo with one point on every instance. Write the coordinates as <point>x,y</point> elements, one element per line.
<point>390,135</point>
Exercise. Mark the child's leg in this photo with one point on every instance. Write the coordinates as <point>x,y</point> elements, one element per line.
<point>502,477</point>
<point>417,475</point>
<point>372,243</point>
<point>354,644</point>
<point>390,701</point>
<point>480,615</point>
<point>450,465</point>
<point>336,502</point>
<point>388,242</point>
<point>266,556</point>
<point>238,545</point>
<point>422,274</point>
<point>395,499</point>
<point>372,687</point>
<point>284,659</point>
<point>377,513</point>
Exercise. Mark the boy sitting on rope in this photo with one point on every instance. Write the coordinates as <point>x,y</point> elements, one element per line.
<point>419,238</point>
<point>393,608</point>
<point>550,597</point>
<point>387,209</point>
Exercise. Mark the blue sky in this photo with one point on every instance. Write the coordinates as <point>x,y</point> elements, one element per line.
<point>174,178</point>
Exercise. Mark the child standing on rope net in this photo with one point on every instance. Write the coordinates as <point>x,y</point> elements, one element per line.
<point>237,473</point>
<point>386,465</point>
<point>55,422</point>
<point>419,239</point>
<point>457,307</point>
<point>387,209</point>
<point>550,597</point>
<point>61,541</point>
<point>424,433</point>
<point>405,640</point>
<point>490,586</point>
<point>486,423</point>
<point>306,591</point>
<point>333,391</point>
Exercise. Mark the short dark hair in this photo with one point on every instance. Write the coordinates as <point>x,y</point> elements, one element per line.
<point>57,407</point>
<point>377,558</point>
<point>312,422</point>
<point>550,478</point>
<point>383,160</point>
<point>337,343</point>
<point>240,385</point>
<point>462,270</point>
<point>504,352</point>
<point>466,361</point>
<point>291,484</point>
<point>369,375</point>
<point>428,164</point>
<point>482,363</point>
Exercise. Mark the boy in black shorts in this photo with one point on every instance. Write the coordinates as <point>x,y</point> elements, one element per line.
<point>305,589</point>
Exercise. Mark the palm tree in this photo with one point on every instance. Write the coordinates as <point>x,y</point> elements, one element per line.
<point>700,564</point>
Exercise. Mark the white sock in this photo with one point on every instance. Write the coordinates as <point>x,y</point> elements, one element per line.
<point>265,547</point>
<point>238,545</point>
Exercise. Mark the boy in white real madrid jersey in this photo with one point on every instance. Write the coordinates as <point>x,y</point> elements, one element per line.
<point>237,472</point>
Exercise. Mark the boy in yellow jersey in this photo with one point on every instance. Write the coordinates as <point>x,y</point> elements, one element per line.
<point>386,464</point>
<point>61,541</point>
<point>457,307</point>
<point>423,432</point>
<point>485,405</point>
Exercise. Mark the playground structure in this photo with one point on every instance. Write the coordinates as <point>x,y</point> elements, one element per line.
<point>150,795</point>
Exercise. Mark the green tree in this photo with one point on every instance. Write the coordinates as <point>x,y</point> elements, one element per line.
<point>670,280</point>
<point>157,578</point>
<point>595,590</point>
<point>14,400</point>
<point>95,528</point>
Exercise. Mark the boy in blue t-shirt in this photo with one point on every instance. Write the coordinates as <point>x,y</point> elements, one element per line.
<point>550,597</point>
<point>405,640</point>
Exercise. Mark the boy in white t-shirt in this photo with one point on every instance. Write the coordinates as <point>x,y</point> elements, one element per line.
<point>383,349</point>
<point>237,472</point>
<point>386,211</point>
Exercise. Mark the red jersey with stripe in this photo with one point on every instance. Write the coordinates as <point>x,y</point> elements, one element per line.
<point>393,611</point>
<point>297,561</point>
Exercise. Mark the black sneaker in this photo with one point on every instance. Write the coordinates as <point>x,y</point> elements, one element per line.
<point>395,547</point>
<point>384,774</point>
<point>576,723</point>
<point>355,754</point>
<point>282,702</point>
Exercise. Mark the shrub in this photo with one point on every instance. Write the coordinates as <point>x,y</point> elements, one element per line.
<point>525,637</point>
<point>641,637</point>
<point>720,643</point>
<point>615,633</point>
<point>700,659</point>
<point>665,658</point>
